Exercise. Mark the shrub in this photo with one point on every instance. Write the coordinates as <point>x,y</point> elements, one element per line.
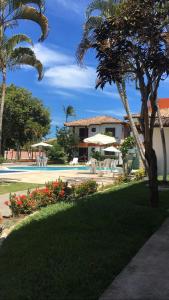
<point>122,179</point>
<point>2,159</point>
<point>139,175</point>
<point>57,154</point>
<point>52,193</point>
<point>86,188</point>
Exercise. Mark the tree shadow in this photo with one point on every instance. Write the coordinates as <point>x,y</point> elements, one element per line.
<point>74,251</point>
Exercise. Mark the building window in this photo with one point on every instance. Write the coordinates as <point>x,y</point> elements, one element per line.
<point>93,129</point>
<point>111,131</point>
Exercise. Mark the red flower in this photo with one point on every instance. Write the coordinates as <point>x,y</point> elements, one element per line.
<point>55,184</point>
<point>19,202</point>
<point>23,197</point>
<point>62,193</point>
<point>6,203</point>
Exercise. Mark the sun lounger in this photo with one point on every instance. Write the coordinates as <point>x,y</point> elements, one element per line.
<point>74,161</point>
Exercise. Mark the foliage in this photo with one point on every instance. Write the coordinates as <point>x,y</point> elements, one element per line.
<point>57,154</point>
<point>139,175</point>
<point>128,144</point>
<point>68,140</point>
<point>52,193</point>
<point>122,179</point>
<point>25,118</point>
<point>2,159</point>
<point>97,155</point>
<point>69,111</point>
<point>86,188</point>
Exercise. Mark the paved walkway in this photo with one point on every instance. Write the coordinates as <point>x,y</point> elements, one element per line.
<point>146,277</point>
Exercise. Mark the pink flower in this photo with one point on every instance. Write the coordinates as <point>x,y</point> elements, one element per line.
<point>6,203</point>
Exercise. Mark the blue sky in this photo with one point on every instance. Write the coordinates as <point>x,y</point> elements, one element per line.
<point>64,82</point>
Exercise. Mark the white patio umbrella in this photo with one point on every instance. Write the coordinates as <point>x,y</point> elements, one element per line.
<point>41,144</point>
<point>100,139</point>
<point>112,149</point>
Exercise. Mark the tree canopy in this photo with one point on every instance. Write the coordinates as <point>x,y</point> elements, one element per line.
<point>25,118</point>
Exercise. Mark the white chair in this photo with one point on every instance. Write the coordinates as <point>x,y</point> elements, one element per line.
<point>38,161</point>
<point>74,161</point>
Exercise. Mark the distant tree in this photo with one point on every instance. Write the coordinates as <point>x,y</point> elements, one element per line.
<point>69,111</point>
<point>25,119</point>
<point>11,11</point>
<point>68,141</point>
<point>128,144</point>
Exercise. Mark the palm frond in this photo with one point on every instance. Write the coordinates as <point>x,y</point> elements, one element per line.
<point>26,56</point>
<point>30,13</point>
<point>83,47</point>
<point>15,4</point>
<point>92,23</point>
<point>12,42</point>
<point>106,7</point>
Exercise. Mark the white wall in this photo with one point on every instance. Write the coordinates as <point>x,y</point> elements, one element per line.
<point>157,144</point>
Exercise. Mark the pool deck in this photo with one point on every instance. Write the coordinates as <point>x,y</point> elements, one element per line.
<point>41,177</point>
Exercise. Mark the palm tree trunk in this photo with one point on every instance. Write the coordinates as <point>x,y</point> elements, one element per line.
<point>124,99</point>
<point>163,145</point>
<point>2,102</point>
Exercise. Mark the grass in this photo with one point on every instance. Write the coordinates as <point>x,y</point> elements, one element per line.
<point>74,251</point>
<point>15,187</point>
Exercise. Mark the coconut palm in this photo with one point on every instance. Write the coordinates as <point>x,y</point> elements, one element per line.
<point>106,8</point>
<point>69,111</point>
<point>11,11</point>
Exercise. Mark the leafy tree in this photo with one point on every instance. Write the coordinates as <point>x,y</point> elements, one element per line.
<point>137,50</point>
<point>25,119</point>
<point>103,10</point>
<point>68,140</point>
<point>57,154</point>
<point>69,111</point>
<point>11,11</point>
<point>128,144</point>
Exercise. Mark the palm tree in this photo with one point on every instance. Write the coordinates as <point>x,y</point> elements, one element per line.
<point>107,8</point>
<point>11,11</point>
<point>69,111</point>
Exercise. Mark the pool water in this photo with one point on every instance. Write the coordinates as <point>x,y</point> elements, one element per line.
<point>9,171</point>
<point>14,169</point>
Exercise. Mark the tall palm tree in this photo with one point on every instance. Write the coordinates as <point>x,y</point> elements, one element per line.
<point>69,111</point>
<point>106,8</point>
<point>11,11</point>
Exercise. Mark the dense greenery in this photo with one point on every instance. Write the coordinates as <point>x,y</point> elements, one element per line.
<point>74,251</point>
<point>11,54</point>
<point>68,140</point>
<point>56,154</point>
<point>25,118</point>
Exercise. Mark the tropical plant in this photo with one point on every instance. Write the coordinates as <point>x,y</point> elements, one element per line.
<point>57,154</point>
<point>107,9</point>
<point>68,140</point>
<point>11,11</point>
<point>128,144</point>
<point>138,50</point>
<point>22,125</point>
<point>69,111</point>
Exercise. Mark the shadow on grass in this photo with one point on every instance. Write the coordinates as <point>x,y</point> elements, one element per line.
<point>74,251</point>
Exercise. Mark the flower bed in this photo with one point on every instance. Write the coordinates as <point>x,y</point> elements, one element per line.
<point>52,193</point>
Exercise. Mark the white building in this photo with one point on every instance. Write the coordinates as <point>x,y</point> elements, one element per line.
<point>89,127</point>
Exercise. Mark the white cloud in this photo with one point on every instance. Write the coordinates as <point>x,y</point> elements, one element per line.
<point>114,112</point>
<point>64,94</point>
<point>71,77</point>
<point>76,6</point>
<point>50,57</point>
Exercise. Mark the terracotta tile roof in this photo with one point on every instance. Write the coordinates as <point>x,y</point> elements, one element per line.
<point>163,103</point>
<point>94,121</point>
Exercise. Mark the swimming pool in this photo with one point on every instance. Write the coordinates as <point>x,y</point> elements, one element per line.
<point>35,168</point>
<point>9,171</point>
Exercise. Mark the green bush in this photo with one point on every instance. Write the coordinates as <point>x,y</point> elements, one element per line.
<point>122,179</point>
<point>139,175</point>
<point>57,154</point>
<point>52,193</point>
<point>2,159</point>
<point>86,188</point>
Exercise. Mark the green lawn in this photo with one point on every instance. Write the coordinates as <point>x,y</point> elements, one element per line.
<point>74,251</point>
<point>15,187</point>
